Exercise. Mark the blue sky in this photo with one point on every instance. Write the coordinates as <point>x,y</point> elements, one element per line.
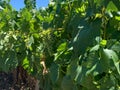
<point>17,4</point>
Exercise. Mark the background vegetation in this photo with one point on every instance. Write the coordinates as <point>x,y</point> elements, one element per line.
<point>79,41</point>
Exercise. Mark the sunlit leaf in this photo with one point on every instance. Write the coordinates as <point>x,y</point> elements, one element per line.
<point>111,7</point>
<point>62,47</point>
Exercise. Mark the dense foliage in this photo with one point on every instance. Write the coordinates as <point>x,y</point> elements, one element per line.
<point>79,41</point>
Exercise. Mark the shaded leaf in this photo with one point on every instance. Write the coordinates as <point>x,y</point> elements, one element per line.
<point>67,83</point>
<point>85,36</point>
<point>108,57</point>
<point>54,72</point>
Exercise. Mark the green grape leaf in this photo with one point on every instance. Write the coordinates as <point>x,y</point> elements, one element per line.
<point>111,7</point>
<point>67,83</point>
<point>108,57</point>
<point>85,36</point>
<point>54,72</point>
